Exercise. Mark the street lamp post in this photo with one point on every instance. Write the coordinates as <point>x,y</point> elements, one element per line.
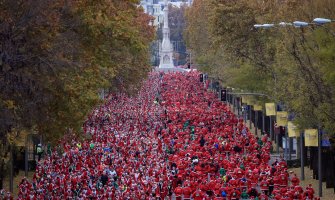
<point>250,117</point>
<point>320,161</point>
<point>321,21</point>
<point>297,24</point>
<point>290,146</point>
<point>302,156</point>
<point>263,122</point>
<point>286,144</point>
<point>256,121</point>
<point>271,129</point>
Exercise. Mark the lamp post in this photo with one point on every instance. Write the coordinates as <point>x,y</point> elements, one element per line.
<point>256,122</point>
<point>320,160</point>
<point>297,24</point>
<point>321,21</point>
<point>302,156</point>
<point>250,117</point>
<point>271,129</point>
<point>263,122</point>
<point>286,145</point>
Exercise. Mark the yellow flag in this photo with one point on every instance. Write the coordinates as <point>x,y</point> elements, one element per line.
<point>258,107</point>
<point>311,137</point>
<point>281,118</point>
<point>292,130</point>
<point>270,109</point>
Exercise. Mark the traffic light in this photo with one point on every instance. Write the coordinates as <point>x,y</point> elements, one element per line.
<point>201,78</point>
<point>224,94</point>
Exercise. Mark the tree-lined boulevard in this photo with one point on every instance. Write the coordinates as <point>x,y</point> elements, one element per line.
<point>174,139</point>
<point>84,112</point>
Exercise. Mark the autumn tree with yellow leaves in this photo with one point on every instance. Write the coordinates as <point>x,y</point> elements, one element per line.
<point>55,56</point>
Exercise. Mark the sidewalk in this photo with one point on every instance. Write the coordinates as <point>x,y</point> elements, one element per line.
<point>327,193</point>
<point>16,181</point>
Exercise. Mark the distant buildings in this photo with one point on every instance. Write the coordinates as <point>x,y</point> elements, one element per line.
<point>155,8</point>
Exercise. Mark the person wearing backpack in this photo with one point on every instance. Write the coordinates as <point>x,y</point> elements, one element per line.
<point>39,151</point>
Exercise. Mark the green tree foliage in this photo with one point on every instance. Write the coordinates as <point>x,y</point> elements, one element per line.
<point>55,55</point>
<point>177,25</point>
<point>196,35</point>
<point>293,65</point>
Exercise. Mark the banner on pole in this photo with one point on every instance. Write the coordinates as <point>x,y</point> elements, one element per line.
<point>270,109</point>
<point>311,137</point>
<point>281,118</point>
<point>292,130</point>
<point>258,107</point>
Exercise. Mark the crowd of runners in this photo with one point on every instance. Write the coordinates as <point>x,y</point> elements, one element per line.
<point>174,140</point>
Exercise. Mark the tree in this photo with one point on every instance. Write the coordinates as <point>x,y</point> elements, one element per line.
<point>56,55</point>
<point>177,25</point>
<point>196,34</point>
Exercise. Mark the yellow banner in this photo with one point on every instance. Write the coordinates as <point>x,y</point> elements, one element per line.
<point>311,137</point>
<point>281,118</point>
<point>292,130</point>
<point>270,109</point>
<point>258,107</point>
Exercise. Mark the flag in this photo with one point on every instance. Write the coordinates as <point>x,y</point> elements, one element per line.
<point>292,130</point>
<point>270,109</point>
<point>311,137</point>
<point>281,118</point>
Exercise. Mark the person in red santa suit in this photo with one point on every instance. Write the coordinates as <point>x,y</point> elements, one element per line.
<point>235,194</point>
<point>263,196</point>
<point>283,179</point>
<point>264,185</point>
<point>178,192</point>
<point>310,190</point>
<point>198,195</point>
<point>187,192</point>
<point>297,195</point>
<point>295,180</point>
